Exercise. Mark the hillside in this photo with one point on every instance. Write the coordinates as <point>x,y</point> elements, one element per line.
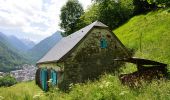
<point>20,91</point>
<point>15,52</point>
<point>17,43</point>
<point>148,35</point>
<point>9,56</point>
<point>9,59</point>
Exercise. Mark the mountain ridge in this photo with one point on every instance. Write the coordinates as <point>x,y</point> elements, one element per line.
<point>40,49</point>
<point>14,53</point>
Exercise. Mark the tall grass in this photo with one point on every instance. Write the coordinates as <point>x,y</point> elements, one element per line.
<point>107,88</point>
<point>22,91</point>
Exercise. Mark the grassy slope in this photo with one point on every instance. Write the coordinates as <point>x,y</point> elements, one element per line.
<point>155,31</point>
<point>107,88</point>
<point>19,91</point>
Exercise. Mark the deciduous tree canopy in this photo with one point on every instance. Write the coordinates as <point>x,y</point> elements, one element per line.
<point>70,14</point>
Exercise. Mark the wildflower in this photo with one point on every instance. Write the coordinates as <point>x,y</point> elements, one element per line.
<point>36,96</point>
<point>110,76</point>
<point>101,86</point>
<point>123,93</point>
<point>71,85</point>
<point>56,88</point>
<point>41,93</point>
<point>50,81</point>
<point>107,84</point>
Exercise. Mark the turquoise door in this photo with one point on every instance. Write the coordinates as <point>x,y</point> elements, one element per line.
<point>44,79</point>
<point>54,77</point>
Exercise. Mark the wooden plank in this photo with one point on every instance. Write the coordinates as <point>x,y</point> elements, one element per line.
<point>139,61</point>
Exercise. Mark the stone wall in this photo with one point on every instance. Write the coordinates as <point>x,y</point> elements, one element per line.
<point>88,60</point>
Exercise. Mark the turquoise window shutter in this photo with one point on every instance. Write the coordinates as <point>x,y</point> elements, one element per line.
<point>103,43</point>
<point>44,79</point>
<point>54,77</point>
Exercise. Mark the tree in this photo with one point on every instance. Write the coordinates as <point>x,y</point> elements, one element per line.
<point>142,6</point>
<point>91,15</point>
<point>70,14</point>
<point>160,3</point>
<point>115,12</point>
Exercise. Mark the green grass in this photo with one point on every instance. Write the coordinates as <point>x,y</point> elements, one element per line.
<point>155,40</point>
<point>107,88</point>
<point>155,30</point>
<point>19,91</point>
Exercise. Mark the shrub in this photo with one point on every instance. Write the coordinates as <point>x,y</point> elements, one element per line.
<point>7,81</point>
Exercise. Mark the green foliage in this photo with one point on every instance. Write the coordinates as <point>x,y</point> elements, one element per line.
<point>7,81</point>
<point>107,88</point>
<point>108,10</point>
<point>160,3</point>
<point>142,6</point>
<point>70,14</point>
<point>21,91</point>
<point>90,15</point>
<point>9,58</point>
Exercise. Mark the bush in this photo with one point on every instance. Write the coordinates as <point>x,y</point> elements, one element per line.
<point>7,81</point>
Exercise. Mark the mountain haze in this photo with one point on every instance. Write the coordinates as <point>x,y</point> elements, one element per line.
<point>17,43</point>
<point>40,49</point>
<point>14,52</point>
<point>9,57</point>
<point>30,44</point>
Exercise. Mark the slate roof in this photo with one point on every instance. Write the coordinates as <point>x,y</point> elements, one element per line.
<point>67,43</point>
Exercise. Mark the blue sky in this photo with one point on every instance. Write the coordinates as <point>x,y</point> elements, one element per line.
<point>32,19</point>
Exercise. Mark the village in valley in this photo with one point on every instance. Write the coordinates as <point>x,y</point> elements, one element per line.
<point>25,73</point>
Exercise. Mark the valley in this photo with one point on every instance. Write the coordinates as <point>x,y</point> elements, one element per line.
<point>15,52</point>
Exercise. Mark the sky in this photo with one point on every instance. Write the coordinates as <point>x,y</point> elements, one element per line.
<point>32,19</point>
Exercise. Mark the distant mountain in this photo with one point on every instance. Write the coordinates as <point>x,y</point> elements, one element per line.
<point>30,44</point>
<point>4,39</point>
<point>17,43</point>
<point>14,52</point>
<point>44,46</point>
<point>9,57</point>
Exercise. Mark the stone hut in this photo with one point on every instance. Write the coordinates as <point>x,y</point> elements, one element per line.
<point>83,55</point>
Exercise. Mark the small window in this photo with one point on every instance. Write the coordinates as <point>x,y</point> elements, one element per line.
<point>103,43</point>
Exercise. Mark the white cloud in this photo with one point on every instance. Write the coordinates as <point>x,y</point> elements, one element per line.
<point>85,3</point>
<point>40,17</point>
